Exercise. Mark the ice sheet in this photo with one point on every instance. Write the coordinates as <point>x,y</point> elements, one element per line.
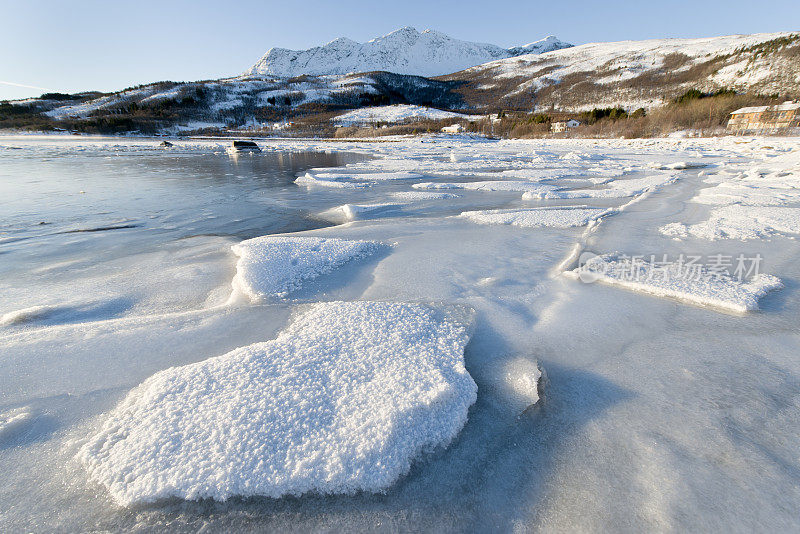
<point>274,266</point>
<point>679,281</point>
<point>557,217</point>
<point>341,401</point>
<point>309,179</point>
<point>493,185</point>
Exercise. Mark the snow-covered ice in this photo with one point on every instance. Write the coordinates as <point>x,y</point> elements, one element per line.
<point>597,408</point>
<point>274,266</point>
<point>614,189</point>
<point>740,222</point>
<point>413,196</point>
<point>492,185</point>
<point>309,179</point>
<point>367,176</point>
<point>352,212</point>
<point>556,217</point>
<point>678,281</point>
<point>758,202</point>
<point>341,401</point>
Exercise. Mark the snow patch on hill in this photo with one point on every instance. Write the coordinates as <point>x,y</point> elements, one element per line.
<point>394,114</point>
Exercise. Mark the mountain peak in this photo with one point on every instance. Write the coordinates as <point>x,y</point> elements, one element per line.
<point>403,51</point>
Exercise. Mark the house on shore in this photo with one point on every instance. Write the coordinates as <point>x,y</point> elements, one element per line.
<point>765,119</point>
<point>563,126</point>
<point>453,129</point>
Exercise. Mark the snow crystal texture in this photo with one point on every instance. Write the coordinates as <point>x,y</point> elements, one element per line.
<point>678,281</point>
<point>537,217</point>
<point>341,401</point>
<point>274,266</point>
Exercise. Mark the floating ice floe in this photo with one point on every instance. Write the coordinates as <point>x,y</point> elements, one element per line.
<point>343,400</point>
<point>274,266</point>
<point>492,185</point>
<point>352,212</point>
<point>692,284</point>
<point>309,179</point>
<point>556,217</point>
<point>412,196</point>
<point>367,176</point>
<point>613,189</point>
<point>740,222</point>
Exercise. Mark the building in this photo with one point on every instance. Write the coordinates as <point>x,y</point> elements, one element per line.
<point>765,118</point>
<point>563,126</point>
<point>453,129</point>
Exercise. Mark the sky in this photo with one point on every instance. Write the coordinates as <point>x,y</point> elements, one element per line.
<point>79,45</point>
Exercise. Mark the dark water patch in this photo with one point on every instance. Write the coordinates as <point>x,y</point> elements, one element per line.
<point>101,229</point>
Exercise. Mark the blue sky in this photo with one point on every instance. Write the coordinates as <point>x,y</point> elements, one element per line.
<point>76,45</point>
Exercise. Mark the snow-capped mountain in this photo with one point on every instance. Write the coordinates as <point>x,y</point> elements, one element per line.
<point>404,51</point>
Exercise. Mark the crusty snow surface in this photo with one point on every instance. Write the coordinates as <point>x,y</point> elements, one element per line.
<point>757,202</point>
<point>341,401</point>
<point>537,217</point>
<point>274,266</point>
<point>674,280</point>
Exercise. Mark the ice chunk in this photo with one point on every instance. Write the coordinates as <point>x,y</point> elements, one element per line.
<point>676,280</point>
<point>614,189</point>
<point>341,401</point>
<point>368,176</point>
<point>274,266</point>
<point>740,222</point>
<point>491,185</point>
<point>422,195</point>
<point>309,179</point>
<point>352,212</point>
<point>522,377</point>
<point>12,422</point>
<point>556,217</point>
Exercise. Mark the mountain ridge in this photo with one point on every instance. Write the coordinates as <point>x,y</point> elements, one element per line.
<point>403,51</point>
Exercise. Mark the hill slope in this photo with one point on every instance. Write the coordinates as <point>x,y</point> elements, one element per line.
<point>635,74</point>
<point>404,51</point>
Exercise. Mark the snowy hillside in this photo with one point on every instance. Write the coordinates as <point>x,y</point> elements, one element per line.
<point>638,73</point>
<point>393,114</point>
<point>404,51</point>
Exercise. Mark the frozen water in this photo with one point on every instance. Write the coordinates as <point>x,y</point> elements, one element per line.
<point>558,217</point>
<point>352,212</point>
<point>652,414</point>
<point>312,180</point>
<point>493,185</point>
<point>615,189</point>
<point>341,401</point>
<point>413,196</point>
<point>676,280</point>
<point>274,266</point>
<point>740,222</point>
